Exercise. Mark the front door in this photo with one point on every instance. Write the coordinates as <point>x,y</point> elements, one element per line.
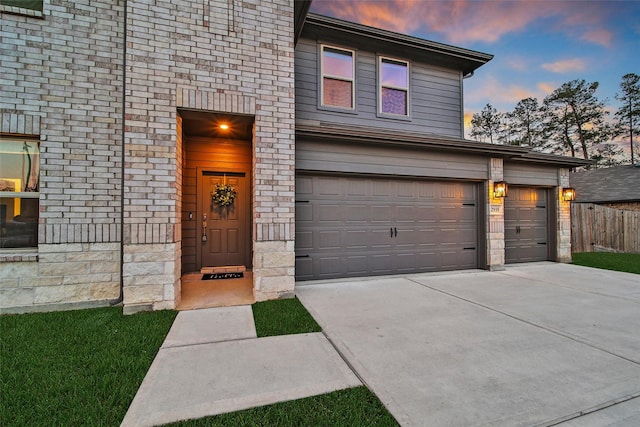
<point>224,228</point>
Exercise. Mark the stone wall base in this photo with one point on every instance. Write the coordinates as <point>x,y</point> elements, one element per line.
<point>273,270</point>
<point>65,276</point>
<point>151,277</point>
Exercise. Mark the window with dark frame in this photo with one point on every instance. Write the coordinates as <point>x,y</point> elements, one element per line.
<point>24,4</point>
<point>337,78</point>
<point>394,87</point>
<point>19,192</point>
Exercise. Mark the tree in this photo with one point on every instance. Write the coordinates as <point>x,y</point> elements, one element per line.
<point>526,124</point>
<point>628,116</point>
<point>580,115</point>
<point>607,155</point>
<point>486,123</point>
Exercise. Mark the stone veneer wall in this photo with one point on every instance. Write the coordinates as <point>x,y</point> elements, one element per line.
<point>223,56</point>
<point>62,83</point>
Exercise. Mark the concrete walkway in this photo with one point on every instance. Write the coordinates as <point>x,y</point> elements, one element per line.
<point>211,363</point>
<point>537,344</point>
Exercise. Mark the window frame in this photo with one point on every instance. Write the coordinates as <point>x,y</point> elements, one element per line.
<point>322,104</point>
<point>407,89</point>
<point>15,8</point>
<point>22,195</point>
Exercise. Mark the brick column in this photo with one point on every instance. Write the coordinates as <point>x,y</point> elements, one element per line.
<point>563,215</point>
<point>495,218</point>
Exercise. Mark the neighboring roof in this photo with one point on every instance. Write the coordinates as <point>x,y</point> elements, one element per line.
<point>610,185</point>
<point>334,30</point>
<point>352,135</point>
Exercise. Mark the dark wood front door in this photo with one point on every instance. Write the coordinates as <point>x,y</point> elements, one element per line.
<point>224,230</point>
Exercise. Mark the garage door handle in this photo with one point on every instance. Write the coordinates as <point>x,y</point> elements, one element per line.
<point>395,232</point>
<point>391,231</point>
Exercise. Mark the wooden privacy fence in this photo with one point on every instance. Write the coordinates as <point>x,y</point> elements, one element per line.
<point>595,227</point>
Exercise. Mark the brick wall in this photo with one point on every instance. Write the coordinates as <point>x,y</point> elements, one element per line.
<point>61,76</point>
<point>223,56</point>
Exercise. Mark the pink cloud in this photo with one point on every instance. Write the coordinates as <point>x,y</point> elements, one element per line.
<point>464,21</point>
<point>565,66</point>
<point>601,37</point>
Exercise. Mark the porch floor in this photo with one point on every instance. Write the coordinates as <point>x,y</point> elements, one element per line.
<point>198,293</point>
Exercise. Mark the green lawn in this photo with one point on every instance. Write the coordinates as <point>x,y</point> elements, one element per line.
<point>350,407</point>
<point>609,261</point>
<point>75,368</point>
<point>84,367</point>
<point>282,317</point>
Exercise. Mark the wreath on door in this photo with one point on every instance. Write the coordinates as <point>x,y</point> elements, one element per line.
<point>223,195</point>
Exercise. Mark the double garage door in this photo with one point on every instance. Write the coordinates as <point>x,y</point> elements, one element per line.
<point>355,226</point>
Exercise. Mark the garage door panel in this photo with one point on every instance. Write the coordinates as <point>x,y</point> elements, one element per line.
<point>329,266</point>
<point>329,239</point>
<point>384,226</point>
<point>329,213</point>
<point>304,212</point>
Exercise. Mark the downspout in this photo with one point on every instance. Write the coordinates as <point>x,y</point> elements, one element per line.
<point>122,154</point>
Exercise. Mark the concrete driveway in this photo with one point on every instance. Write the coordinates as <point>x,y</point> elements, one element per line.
<point>537,344</point>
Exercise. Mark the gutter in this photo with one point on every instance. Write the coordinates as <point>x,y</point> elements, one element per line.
<point>122,155</point>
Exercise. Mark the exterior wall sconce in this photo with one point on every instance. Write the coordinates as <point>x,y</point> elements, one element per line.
<point>568,194</point>
<point>500,189</point>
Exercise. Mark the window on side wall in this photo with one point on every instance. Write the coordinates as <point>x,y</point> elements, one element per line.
<point>22,5</point>
<point>393,93</point>
<point>338,81</point>
<point>19,192</point>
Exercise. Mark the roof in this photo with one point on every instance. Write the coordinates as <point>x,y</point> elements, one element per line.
<point>352,135</point>
<point>324,28</point>
<point>300,9</point>
<point>611,185</point>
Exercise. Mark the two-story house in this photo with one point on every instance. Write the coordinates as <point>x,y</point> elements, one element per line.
<point>386,183</point>
<point>142,141</point>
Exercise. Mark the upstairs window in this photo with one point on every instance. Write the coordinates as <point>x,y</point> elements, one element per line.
<point>394,87</point>
<point>19,192</point>
<point>337,78</point>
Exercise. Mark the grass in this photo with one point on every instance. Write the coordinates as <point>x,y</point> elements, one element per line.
<point>283,317</point>
<point>351,407</point>
<point>84,368</point>
<point>75,367</point>
<point>629,263</point>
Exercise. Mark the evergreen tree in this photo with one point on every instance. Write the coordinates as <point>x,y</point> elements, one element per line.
<point>628,116</point>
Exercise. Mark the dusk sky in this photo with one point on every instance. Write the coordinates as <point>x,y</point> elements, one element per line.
<point>537,45</point>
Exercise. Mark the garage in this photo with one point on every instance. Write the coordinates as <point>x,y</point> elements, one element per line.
<point>526,225</point>
<point>350,226</point>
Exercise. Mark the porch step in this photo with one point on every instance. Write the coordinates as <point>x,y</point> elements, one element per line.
<point>223,269</point>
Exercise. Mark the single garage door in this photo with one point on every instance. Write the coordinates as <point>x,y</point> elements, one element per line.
<point>349,227</point>
<point>526,225</point>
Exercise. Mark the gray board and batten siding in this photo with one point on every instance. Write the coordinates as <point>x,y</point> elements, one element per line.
<point>435,95</point>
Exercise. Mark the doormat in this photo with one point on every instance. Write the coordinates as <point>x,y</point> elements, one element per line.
<point>217,276</point>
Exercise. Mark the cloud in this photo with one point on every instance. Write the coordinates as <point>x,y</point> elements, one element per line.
<point>565,66</point>
<point>547,88</point>
<point>498,93</point>
<point>466,21</point>
<point>601,37</point>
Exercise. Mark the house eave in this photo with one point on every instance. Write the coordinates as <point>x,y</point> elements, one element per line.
<point>321,27</point>
<point>553,160</point>
<point>430,142</point>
